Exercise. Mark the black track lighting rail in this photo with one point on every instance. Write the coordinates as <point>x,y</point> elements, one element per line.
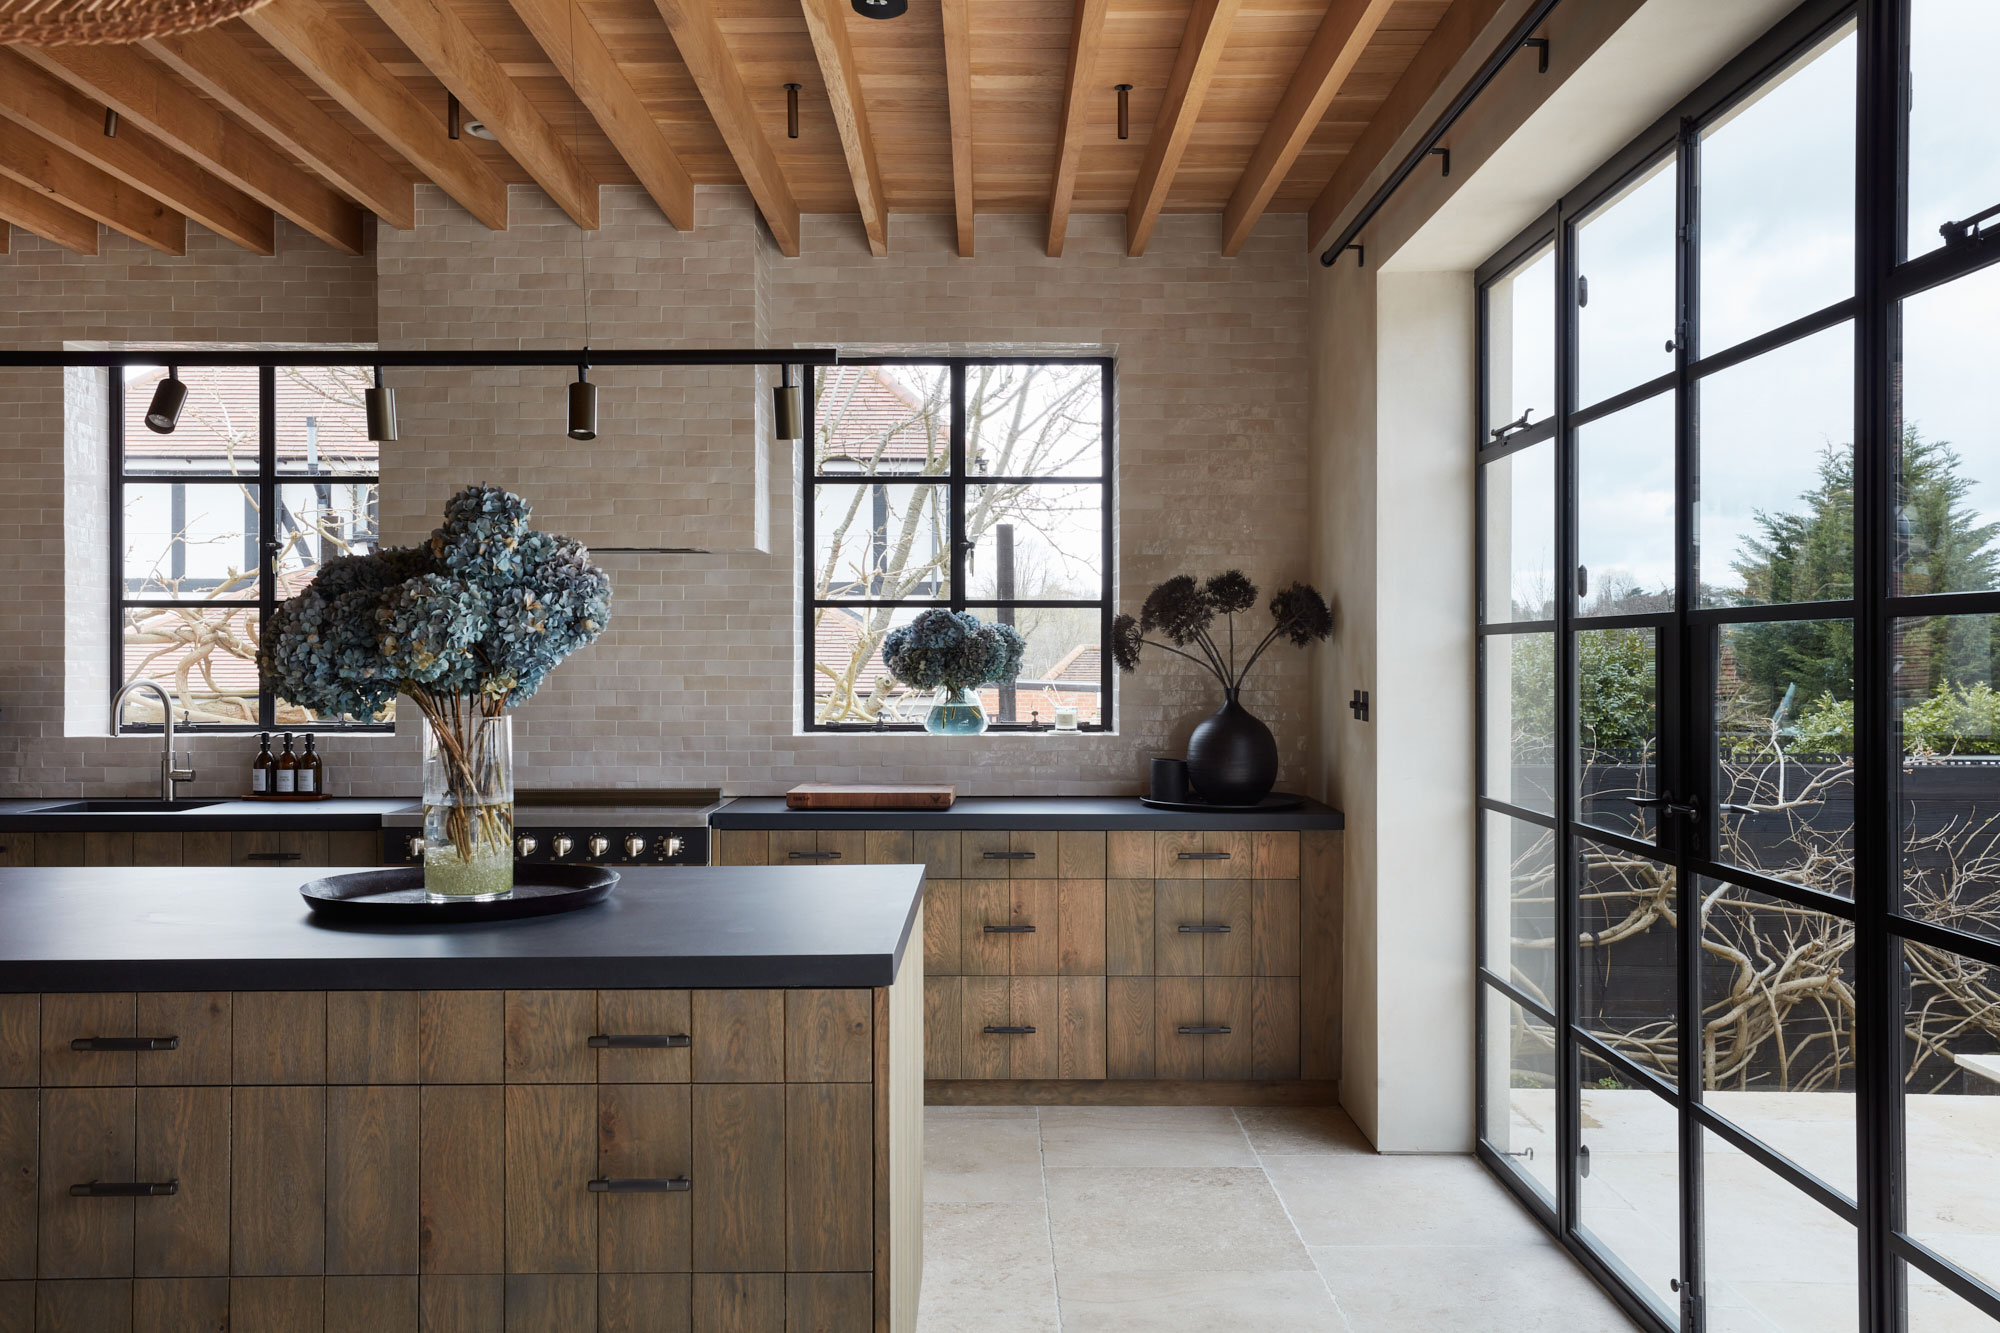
<point>563,359</point>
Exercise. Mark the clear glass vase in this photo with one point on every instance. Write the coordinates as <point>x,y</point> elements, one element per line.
<point>469,810</point>
<point>955,712</point>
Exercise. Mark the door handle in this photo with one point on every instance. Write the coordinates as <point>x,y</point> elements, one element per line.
<point>639,1185</point>
<point>814,856</point>
<point>638,1041</point>
<point>1009,856</point>
<point>1010,930</point>
<point>1666,805</point>
<point>1007,1031</point>
<point>124,1189</point>
<point>272,856</point>
<point>1204,856</point>
<point>1201,1030</point>
<point>125,1044</point>
<point>1205,928</point>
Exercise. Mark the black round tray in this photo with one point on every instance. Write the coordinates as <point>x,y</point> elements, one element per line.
<point>1276,801</point>
<point>396,896</point>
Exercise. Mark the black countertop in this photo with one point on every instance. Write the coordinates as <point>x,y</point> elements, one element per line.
<point>203,928</point>
<point>1015,812</point>
<point>40,815</point>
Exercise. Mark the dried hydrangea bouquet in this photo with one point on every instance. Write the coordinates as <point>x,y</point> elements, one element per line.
<point>954,653</point>
<point>466,625</point>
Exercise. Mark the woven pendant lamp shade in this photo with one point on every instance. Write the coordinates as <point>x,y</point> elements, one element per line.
<point>76,22</point>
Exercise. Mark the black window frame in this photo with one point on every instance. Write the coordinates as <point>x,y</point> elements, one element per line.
<point>956,481</point>
<point>267,481</point>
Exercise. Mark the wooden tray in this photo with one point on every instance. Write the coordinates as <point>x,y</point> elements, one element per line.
<point>395,896</point>
<point>869,796</point>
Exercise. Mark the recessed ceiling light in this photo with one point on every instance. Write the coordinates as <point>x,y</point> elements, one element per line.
<point>881,9</point>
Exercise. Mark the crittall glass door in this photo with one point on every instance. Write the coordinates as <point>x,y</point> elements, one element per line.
<point>1739,732</point>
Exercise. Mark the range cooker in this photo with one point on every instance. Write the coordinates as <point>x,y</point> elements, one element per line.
<point>576,828</point>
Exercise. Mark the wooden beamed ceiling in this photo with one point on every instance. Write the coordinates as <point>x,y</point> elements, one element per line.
<point>323,111</point>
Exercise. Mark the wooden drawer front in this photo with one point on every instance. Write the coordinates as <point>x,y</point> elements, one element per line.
<point>1128,927</point>
<point>643,1135</point>
<point>1203,928</point>
<point>1009,927</point>
<point>631,1023</point>
<point>993,854</point>
<point>279,848</point>
<point>1010,1027</point>
<point>1129,1021</point>
<point>1191,854</point>
<point>1177,903</point>
<point>551,1158</point>
<point>278,1173</point>
<point>806,847</point>
<point>86,1135</point>
<point>182,1135</point>
<point>939,853</point>
<point>943,927</point>
<point>944,1036</point>
<point>1261,1015</point>
<point>1080,927</point>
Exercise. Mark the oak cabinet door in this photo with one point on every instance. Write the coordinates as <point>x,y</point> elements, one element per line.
<point>944,1039</point>
<point>1227,940</point>
<point>739,1177</point>
<point>1035,1048</point>
<point>649,1016</point>
<point>644,1135</point>
<point>1177,921</point>
<point>86,1136</point>
<point>551,1160</point>
<point>1034,947</point>
<point>829,1177</point>
<point>1227,1046</point>
<point>1080,1019</point>
<point>1129,1024</point>
<point>942,928</point>
<point>277,1185</point>
<point>372,1165</point>
<point>1178,1020</point>
<point>182,1135</point>
<point>986,912</point>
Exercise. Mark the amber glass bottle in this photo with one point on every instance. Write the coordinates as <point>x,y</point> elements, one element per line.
<point>287,772</point>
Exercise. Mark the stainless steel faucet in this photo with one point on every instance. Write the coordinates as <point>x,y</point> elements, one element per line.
<point>169,775</point>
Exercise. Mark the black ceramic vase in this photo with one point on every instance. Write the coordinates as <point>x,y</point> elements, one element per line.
<point>1232,758</point>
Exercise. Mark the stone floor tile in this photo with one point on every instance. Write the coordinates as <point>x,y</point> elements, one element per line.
<point>1143,1136</point>
<point>1113,1219</point>
<point>1367,1200</point>
<point>1493,1289</point>
<point>987,1269</point>
<point>982,1159</point>
<point>1275,1130</point>
<point>1290,1301</point>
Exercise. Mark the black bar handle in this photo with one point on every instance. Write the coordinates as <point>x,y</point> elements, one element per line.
<point>125,1044</point>
<point>1010,930</point>
<point>639,1041</point>
<point>1006,1031</point>
<point>1009,856</point>
<point>639,1185</point>
<point>1205,928</point>
<point>1197,1030</point>
<point>125,1189</point>
<point>1204,856</point>
<point>814,856</point>
<point>273,856</point>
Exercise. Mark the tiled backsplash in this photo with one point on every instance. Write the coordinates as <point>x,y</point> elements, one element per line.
<point>695,682</point>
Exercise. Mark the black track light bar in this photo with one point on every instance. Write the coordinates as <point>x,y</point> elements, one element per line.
<point>362,356</point>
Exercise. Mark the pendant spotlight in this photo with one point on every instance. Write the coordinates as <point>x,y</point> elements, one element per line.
<point>168,397</point>
<point>451,116</point>
<point>110,123</point>
<point>881,9</point>
<point>792,110</point>
<point>786,418</point>
<point>1124,110</point>
<point>583,405</point>
<point>380,403</point>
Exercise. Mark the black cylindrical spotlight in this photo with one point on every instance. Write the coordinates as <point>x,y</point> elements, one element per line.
<point>1124,110</point>
<point>380,403</point>
<point>451,116</point>
<point>168,398</point>
<point>792,110</point>
<point>110,123</point>
<point>583,406</point>
<point>787,420</point>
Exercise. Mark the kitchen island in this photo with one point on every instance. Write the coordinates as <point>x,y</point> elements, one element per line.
<point>696,1105</point>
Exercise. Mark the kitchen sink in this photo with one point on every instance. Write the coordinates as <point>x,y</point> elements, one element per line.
<point>124,807</point>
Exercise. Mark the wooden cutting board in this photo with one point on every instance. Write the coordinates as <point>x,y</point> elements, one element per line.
<point>869,796</point>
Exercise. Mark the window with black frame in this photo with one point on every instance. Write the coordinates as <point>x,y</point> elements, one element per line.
<point>267,472</point>
<point>1740,742</point>
<point>976,484</point>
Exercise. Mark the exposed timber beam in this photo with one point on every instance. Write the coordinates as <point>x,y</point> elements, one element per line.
<point>957,18</point>
<point>455,56</point>
<point>598,80</point>
<point>38,101</point>
<point>1330,57</point>
<point>1086,36</point>
<point>37,211</point>
<point>1187,88</point>
<point>692,23</point>
<point>1468,30</point>
<point>145,94</point>
<point>826,21</point>
<point>319,45</point>
<point>74,187</point>
<point>219,63</point>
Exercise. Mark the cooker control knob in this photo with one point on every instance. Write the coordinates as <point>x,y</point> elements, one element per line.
<point>417,846</point>
<point>672,846</point>
<point>599,845</point>
<point>525,844</point>
<point>635,845</point>
<point>561,844</point>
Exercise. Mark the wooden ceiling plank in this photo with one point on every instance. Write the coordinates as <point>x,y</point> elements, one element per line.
<point>35,210</point>
<point>442,41</point>
<point>73,187</point>
<point>1462,29</point>
<point>957,19</point>
<point>1187,88</point>
<point>249,88</point>
<point>827,24</point>
<point>145,94</point>
<point>1086,37</point>
<point>38,101</point>
<point>329,55</point>
<point>692,23</point>
<point>599,81</point>
<point>1330,56</point>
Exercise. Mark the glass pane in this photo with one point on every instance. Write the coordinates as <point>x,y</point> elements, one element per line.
<point>881,541</point>
<point>1618,729</point>
<point>850,684</point>
<point>1777,1014</point>
<point>1948,784</point>
<point>1521,344</point>
<point>1520,519</point>
<point>1034,421</point>
<point>1777,475</point>
<point>1520,1116</point>
<point>323,420</point>
<point>1628,1201</point>
<point>1520,719</point>
<point>1626,961</point>
<point>1776,1258</point>
<point>1625,288</point>
<point>206,656</point>
<point>1625,510</point>
<point>318,521</point>
<point>217,431</point>
<point>1951,1107</point>
<point>1949,467</point>
<point>190,542</point>
<point>1954,138</point>
<point>1934,1308</point>
<point>882,420</point>
<point>1777,200</point>
<point>1035,541</point>
<point>1784,719</point>
<point>1519,882</point>
<point>1062,667</point>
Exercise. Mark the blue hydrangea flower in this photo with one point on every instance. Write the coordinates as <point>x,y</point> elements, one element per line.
<point>952,650</point>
